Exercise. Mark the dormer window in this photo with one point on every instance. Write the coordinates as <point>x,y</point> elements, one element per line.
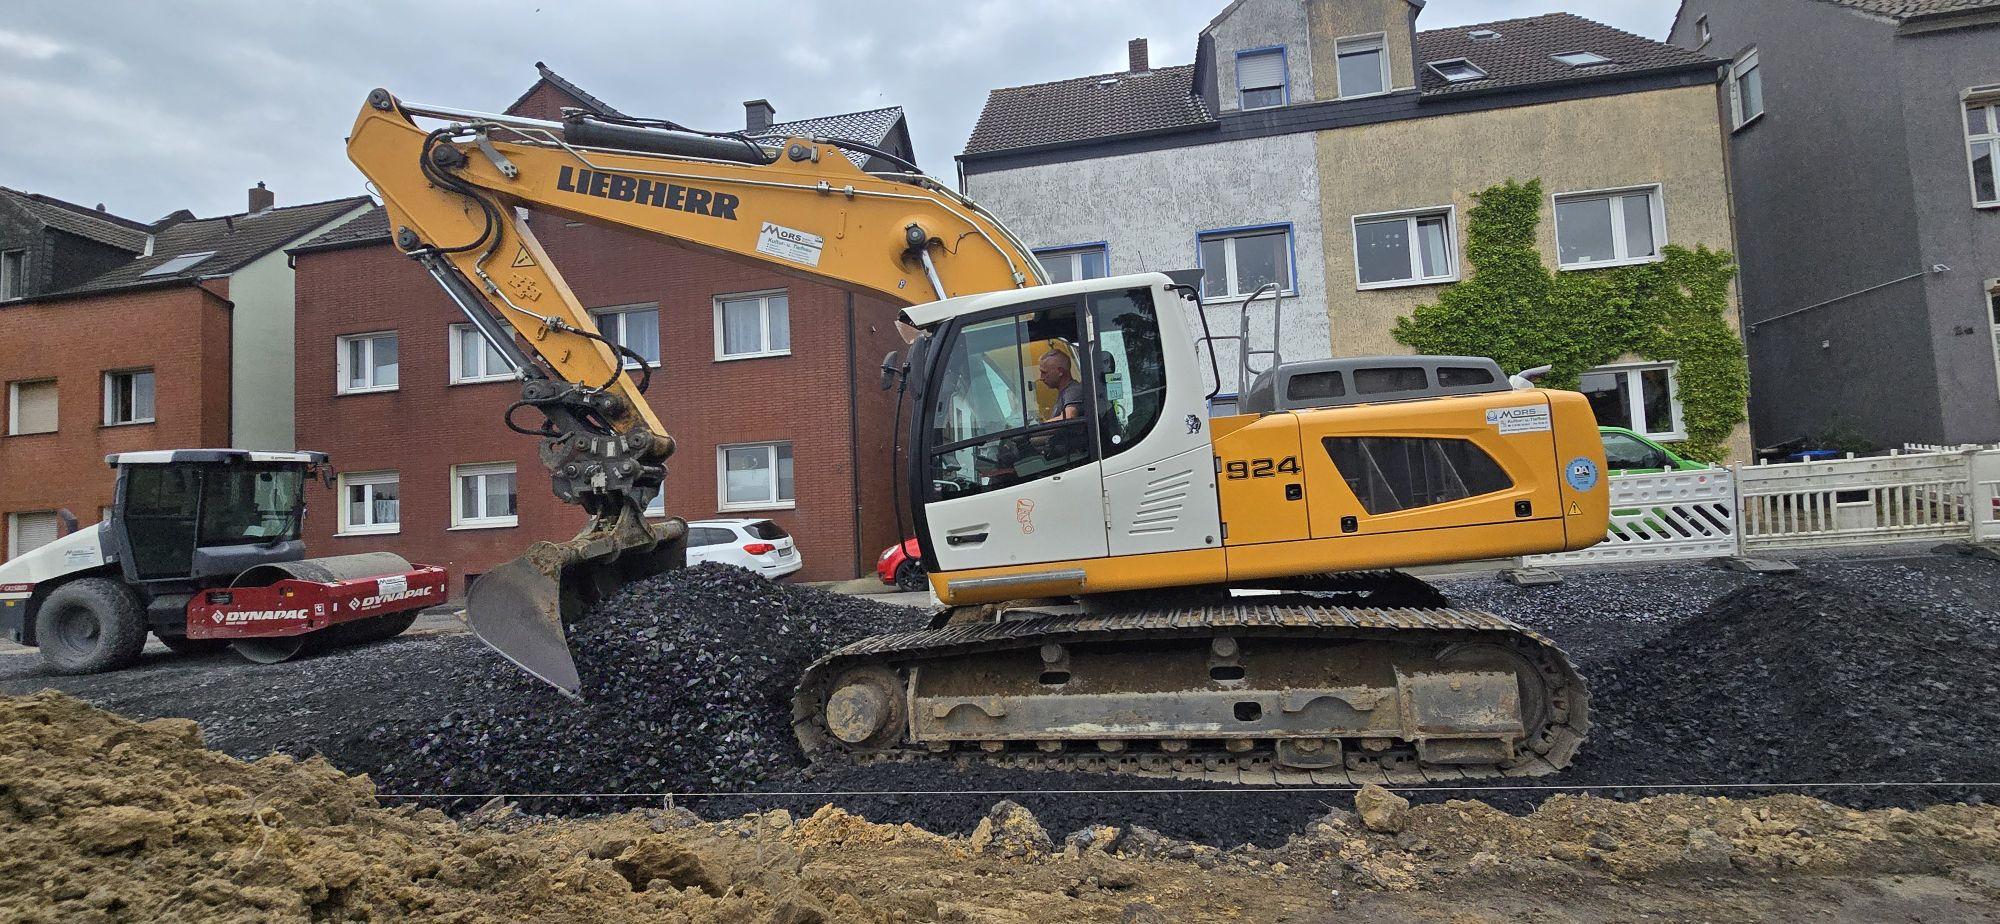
<point>1701,30</point>
<point>178,264</point>
<point>1364,65</point>
<point>13,274</point>
<point>1457,70</point>
<point>1260,78</point>
<point>1484,35</point>
<point>1581,58</point>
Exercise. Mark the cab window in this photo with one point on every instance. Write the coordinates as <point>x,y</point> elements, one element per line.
<point>1624,452</point>
<point>1131,367</point>
<point>1010,404</point>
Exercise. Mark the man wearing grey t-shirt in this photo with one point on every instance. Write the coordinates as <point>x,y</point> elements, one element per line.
<point>1057,374</point>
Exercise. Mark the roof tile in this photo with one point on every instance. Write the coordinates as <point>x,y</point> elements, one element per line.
<point>1916,9</point>
<point>91,224</point>
<point>870,126</point>
<point>1524,54</point>
<point>1086,108</point>
<point>236,241</point>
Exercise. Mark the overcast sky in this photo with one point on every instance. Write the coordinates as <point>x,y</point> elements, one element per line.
<point>150,106</point>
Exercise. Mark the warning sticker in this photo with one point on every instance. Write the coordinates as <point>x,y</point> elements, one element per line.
<point>790,244</point>
<point>1530,419</point>
<point>522,258</point>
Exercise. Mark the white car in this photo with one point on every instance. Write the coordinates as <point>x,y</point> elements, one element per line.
<point>757,545</point>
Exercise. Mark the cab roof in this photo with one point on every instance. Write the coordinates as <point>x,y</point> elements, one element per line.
<point>211,456</point>
<point>929,314</point>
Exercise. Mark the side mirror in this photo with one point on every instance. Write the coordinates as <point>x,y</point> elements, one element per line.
<point>892,370</point>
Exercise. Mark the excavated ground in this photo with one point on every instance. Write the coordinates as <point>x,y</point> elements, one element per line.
<point>1851,671</point>
<point>106,819</point>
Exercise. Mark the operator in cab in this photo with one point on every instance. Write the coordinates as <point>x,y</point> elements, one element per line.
<point>1060,378</point>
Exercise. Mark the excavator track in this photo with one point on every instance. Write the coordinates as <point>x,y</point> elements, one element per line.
<point>1273,690</point>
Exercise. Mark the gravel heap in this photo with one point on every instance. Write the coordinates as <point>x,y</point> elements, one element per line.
<point>687,681</point>
<point>1807,680</point>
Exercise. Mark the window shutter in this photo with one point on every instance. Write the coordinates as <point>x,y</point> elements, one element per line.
<point>31,532</point>
<point>1261,71</point>
<point>35,407</point>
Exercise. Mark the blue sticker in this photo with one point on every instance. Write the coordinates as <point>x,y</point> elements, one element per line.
<point>1582,473</point>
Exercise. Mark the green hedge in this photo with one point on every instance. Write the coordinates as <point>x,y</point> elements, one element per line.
<point>1513,308</point>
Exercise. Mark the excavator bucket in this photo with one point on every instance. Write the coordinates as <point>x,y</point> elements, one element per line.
<point>523,609</point>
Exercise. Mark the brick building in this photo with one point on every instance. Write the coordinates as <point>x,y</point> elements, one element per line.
<point>768,383</point>
<point>118,335</point>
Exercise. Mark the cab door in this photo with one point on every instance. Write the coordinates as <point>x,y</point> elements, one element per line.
<point>1008,463</point>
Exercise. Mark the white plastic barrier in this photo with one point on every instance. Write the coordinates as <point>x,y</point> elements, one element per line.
<point>1855,501</point>
<point>1661,517</point>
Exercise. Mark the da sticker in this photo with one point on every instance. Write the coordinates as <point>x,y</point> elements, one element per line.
<point>1582,473</point>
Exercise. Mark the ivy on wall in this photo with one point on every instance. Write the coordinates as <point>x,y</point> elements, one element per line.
<point>1521,313</point>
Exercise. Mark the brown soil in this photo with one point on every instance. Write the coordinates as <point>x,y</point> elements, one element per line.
<point>106,819</point>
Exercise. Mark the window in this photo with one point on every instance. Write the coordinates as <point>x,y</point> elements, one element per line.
<point>1622,452</point>
<point>1069,264</point>
<point>1609,229</point>
<point>1457,70</point>
<point>636,328</point>
<point>178,264</point>
<point>475,360</point>
<point>699,536</point>
<point>1260,78</point>
<point>1982,131</point>
<point>1238,261</point>
<point>1010,404</point>
<point>1392,473</point>
<point>1411,248</point>
<point>483,496</point>
<point>368,363</point>
<point>754,477</point>
<point>752,325</point>
<point>1131,367</point>
<point>27,532</point>
<point>128,397</point>
<point>1642,398</point>
<point>368,503</point>
<point>31,407</point>
<point>1581,58</point>
<point>1363,66</point>
<point>1746,90</point>
<point>13,274</point>
<point>1702,34</point>
<point>1484,35</point>
<point>246,505</point>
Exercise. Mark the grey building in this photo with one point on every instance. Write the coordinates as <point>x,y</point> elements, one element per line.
<point>1864,135</point>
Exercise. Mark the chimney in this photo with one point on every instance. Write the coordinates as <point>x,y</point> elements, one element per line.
<point>757,115</point>
<point>261,198</point>
<point>1135,52</point>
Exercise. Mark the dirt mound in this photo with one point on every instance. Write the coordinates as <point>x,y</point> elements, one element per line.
<point>105,819</point>
<point>687,682</point>
<point>1807,680</point>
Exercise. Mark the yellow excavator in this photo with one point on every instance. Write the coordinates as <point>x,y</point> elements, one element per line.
<point>1132,583</point>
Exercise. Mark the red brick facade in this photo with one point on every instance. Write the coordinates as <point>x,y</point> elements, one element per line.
<point>180,332</point>
<point>426,426</point>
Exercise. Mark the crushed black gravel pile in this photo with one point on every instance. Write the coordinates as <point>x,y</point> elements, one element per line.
<point>1806,681</point>
<point>687,681</point>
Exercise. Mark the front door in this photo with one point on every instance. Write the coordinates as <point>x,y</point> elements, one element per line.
<point>1012,475</point>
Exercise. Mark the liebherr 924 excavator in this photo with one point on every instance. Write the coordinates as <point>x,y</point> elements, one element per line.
<point>1094,531</point>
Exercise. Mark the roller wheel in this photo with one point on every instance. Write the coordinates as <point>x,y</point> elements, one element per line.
<point>910,576</point>
<point>90,625</point>
<point>182,645</point>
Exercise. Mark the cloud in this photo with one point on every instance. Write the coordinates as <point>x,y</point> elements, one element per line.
<point>30,46</point>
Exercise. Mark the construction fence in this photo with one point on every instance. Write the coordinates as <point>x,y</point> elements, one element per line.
<point>1924,493</point>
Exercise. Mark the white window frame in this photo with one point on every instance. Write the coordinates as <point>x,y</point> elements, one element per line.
<point>1701,31</point>
<point>1284,86</point>
<point>600,316</point>
<point>764,325</point>
<point>1073,254</point>
<point>1658,199</point>
<point>1410,217</point>
<point>110,377</point>
<point>179,264</point>
<point>1229,236</point>
<point>14,407</point>
<point>1600,60</point>
<point>1635,410</point>
<point>1437,67</point>
<point>1988,97</point>
<point>1380,41</point>
<point>459,520</point>
<point>13,285</point>
<point>771,454</point>
<point>346,526</point>
<point>14,549</point>
<point>1737,68</point>
<point>455,334</point>
<point>341,368</point>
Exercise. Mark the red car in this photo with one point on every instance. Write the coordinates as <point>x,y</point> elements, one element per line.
<point>903,566</point>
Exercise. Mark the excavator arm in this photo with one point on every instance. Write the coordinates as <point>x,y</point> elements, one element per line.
<point>458,196</point>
